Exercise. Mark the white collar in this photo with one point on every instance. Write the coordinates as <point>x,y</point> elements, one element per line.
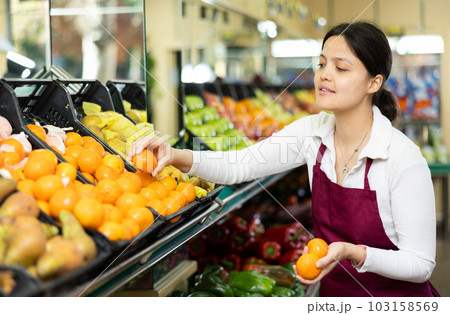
<point>380,136</point>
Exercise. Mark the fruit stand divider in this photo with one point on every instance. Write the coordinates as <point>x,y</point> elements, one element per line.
<point>10,108</point>
<point>119,275</point>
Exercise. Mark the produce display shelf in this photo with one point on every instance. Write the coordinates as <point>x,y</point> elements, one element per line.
<point>118,276</point>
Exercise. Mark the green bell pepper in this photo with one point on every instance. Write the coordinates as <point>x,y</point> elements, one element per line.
<point>212,283</point>
<point>240,293</point>
<point>282,291</point>
<point>177,293</point>
<point>298,288</point>
<point>202,294</point>
<point>252,282</point>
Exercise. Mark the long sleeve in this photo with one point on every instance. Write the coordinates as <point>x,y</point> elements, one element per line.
<point>414,217</point>
<point>282,151</point>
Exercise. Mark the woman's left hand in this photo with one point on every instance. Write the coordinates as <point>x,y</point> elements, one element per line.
<point>336,253</point>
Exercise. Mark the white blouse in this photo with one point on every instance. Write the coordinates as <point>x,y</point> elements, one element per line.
<point>399,175</point>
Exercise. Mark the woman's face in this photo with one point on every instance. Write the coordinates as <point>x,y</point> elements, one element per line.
<point>341,81</point>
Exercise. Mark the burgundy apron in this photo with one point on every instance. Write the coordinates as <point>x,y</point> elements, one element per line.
<point>351,215</point>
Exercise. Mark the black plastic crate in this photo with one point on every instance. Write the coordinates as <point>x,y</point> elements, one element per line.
<point>25,285</point>
<point>10,109</point>
<point>50,101</point>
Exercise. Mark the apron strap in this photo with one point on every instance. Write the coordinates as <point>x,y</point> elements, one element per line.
<point>320,154</point>
<point>366,181</point>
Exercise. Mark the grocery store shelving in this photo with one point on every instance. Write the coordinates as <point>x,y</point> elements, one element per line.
<point>117,276</point>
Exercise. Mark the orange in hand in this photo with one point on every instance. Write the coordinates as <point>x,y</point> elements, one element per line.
<point>145,161</point>
<point>318,247</point>
<point>306,266</point>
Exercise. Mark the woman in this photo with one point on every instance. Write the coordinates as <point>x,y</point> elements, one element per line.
<point>373,199</point>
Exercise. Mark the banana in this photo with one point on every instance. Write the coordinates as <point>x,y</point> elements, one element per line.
<point>200,192</point>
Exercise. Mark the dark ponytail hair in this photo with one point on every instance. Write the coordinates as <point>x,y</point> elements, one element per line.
<point>371,46</point>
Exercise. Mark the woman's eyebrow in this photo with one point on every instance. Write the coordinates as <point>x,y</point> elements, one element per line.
<point>337,58</point>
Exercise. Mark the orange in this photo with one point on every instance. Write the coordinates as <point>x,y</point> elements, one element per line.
<point>87,139</point>
<point>63,199</point>
<point>89,177</point>
<point>90,213</point>
<point>112,213</point>
<point>115,162</point>
<point>73,138</point>
<point>95,147</point>
<point>178,197</point>
<point>146,178</point>
<point>38,167</point>
<point>143,216</point>
<point>11,158</point>
<point>43,205</point>
<point>129,200</point>
<point>112,230</point>
<point>160,189</point>
<point>133,225</point>
<point>127,231</point>
<point>105,172</point>
<point>2,159</point>
<point>188,191</point>
<point>158,206</point>
<point>126,185</point>
<point>145,161</point>
<point>74,150</point>
<point>44,153</point>
<point>134,178</point>
<point>46,186</point>
<point>26,186</point>
<point>318,247</point>
<point>66,169</point>
<point>70,160</point>
<point>171,206</point>
<point>38,131</point>
<point>306,266</point>
<point>109,190</point>
<point>169,182</point>
<point>88,191</point>
<point>16,146</point>
<point>88,161</point>
<point>148,193</point>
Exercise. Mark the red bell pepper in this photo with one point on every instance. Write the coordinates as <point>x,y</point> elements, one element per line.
<point>237,224</point>
<point>291,256</point>
<point>217,235</point>
<point>255,226</point>
<point>288,236</point>
<point>254,261</point>
<point>196,247</point>
<point>270,250</point>
<point>238,242</point>
<point>231,262</point>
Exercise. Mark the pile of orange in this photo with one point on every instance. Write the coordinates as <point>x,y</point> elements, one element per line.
<point>306,264</point>
<point>116,205</point>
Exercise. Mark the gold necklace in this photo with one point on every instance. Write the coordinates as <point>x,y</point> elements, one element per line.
<point>345,168</point>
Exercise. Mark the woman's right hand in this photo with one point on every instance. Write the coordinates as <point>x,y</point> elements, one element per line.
<point>164,153</point>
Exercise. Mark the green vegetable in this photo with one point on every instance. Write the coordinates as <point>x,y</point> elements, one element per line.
<point>177,293</point>
<point>279,274</point>
<point>252,282</point>
<point>298,288</point>
<point>282,291</point>
<point>212,283</point>
<point>202,294</point>
<point>240,293</point>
